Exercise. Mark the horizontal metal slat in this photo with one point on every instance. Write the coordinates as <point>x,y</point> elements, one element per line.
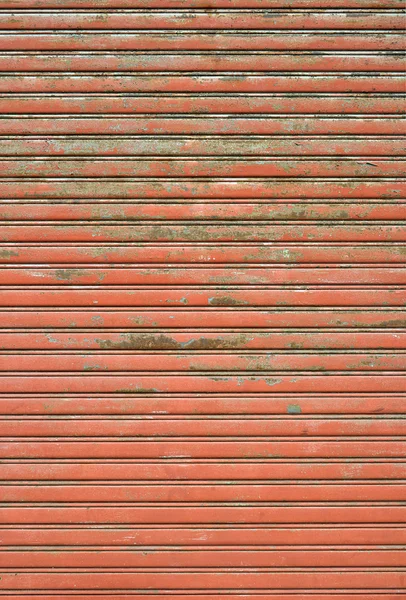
<point>267,146</point>
<point>202,362</point>
<point>201,536</point>
<point>226,253</point>
<point>217,595</point>
<point>210,595</point>
<point>217,209</point>
<point>156,557</point>
<point>189,404</point>
<point>231,297</point>
<point>203,19</point>
<point>66,231</point>
<point>209,187</point>
<point>115,40</point>
<point>94,318</point>
<point>188,167</point>
<point>218,125</point>
<point>277,382</point>
<point>236,275</point>
<point>159,426</point>
<point>307,579</point>
<point>202,82</point>
<point>199,340</point>
<point>190,514</point>
<point>266,469</point>
<point>217,61</point>
<point>195,104</point>
<point>168,4</point>
<point>310,448</point>
<point>202,252</point>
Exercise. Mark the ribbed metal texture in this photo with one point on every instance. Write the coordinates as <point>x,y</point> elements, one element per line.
<point>202,324</point>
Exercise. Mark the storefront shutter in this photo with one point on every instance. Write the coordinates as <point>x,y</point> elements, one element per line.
<point>202,299</point>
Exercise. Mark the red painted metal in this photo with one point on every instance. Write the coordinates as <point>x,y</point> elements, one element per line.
<point>274,124</point>
<point>270,40</point>
<point>202,327</point>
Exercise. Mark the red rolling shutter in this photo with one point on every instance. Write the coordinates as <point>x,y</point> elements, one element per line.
<point>202,301</point>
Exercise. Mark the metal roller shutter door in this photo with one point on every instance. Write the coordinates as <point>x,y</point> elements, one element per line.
<point>202,299</point>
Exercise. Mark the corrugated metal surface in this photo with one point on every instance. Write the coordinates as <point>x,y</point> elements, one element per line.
<point>202,303</point>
